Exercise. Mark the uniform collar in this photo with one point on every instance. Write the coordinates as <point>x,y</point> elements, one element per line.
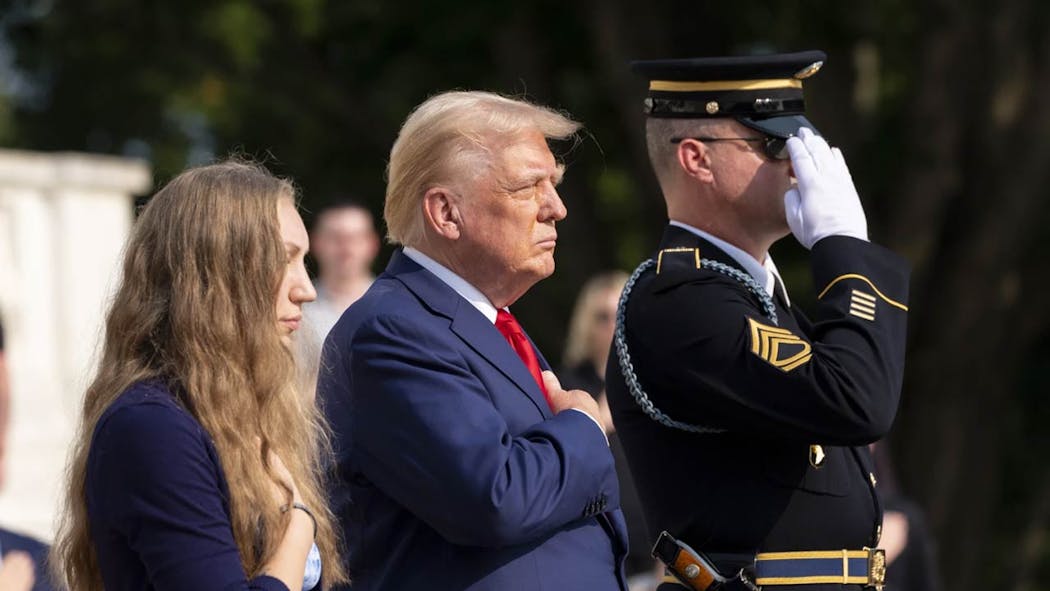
<point>766,274</point>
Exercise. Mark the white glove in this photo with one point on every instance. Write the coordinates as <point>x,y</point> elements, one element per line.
<point>825,202</point>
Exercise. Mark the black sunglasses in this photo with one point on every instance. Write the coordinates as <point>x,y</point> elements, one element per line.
<point>775,148</point>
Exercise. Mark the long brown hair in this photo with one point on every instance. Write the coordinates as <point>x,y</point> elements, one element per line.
<point>196,308</point>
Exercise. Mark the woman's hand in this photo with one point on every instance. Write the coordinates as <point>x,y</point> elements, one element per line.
<point>284,483</point>
<point>289,561</point>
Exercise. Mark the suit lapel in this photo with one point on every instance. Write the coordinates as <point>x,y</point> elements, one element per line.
<point>479,334</point>
<point>470,325</point>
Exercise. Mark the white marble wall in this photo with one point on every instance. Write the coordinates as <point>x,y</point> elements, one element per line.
<point>63,221</point>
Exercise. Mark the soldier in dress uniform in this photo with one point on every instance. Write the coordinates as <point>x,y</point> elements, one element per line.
<point>745,422</point>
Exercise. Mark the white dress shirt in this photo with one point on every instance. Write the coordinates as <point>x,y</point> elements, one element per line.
<point>457,283</point>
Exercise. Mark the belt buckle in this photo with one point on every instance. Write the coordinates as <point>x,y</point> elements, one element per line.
<point>876,568</point>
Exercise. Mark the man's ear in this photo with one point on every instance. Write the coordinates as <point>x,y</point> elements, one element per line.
<point>695,160</point>
<point>441,212</point>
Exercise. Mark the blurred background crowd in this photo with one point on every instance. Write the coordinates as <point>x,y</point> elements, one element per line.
<point>938,105</point>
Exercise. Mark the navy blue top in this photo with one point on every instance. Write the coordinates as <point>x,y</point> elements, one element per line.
<point>157,500</point>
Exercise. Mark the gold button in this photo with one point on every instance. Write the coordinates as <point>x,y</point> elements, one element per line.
<point>817,457</point>
<point>712,107</point>
<point>692,571</point>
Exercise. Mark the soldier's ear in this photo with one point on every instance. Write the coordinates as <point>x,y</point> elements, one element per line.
<point>694,159</point>
<point>441,212</point>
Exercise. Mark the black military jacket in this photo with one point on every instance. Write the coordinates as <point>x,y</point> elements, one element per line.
<point>706,354</point>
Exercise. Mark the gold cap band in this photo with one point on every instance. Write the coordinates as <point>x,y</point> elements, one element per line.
<point>675,86</point>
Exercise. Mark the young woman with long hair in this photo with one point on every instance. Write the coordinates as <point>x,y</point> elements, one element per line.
<point>198,465</point>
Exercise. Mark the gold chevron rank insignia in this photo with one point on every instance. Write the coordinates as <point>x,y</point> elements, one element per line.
<point>778,347</point>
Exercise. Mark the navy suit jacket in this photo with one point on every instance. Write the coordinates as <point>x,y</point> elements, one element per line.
<point>452,471</point>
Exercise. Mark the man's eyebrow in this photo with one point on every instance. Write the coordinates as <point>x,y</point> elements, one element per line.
<point>536,175</point>
<point>559,173</point>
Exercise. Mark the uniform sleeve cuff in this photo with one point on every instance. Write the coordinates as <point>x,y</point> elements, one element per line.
<point>837,258</point>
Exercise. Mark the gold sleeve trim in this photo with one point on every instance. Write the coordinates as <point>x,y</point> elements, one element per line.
<point>884,297</point>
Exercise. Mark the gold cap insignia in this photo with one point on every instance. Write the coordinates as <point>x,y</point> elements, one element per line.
<point>808,70</point>
<point>778,347</point>
<point>711,107</point>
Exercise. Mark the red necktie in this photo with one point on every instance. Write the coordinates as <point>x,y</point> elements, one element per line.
<point>511,330</point>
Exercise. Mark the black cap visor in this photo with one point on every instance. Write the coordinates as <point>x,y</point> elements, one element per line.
<point>781,127</point>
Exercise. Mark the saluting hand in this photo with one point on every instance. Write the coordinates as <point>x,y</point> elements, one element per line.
<point>825,202</point>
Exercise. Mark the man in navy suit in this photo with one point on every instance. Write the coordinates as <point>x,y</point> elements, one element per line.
<point>461,462</point>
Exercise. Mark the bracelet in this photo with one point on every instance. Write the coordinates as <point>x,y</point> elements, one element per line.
<point>304,509</point>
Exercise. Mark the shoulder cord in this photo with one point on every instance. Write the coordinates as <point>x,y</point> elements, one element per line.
<point>624,356</point>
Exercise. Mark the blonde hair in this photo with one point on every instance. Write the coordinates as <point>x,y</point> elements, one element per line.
<point>185,315</point>
<point>581,325</point>
<point>446,136</point>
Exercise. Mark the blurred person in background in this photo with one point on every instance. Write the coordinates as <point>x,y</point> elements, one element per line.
<point>17,572</point>
<point>344,243</point>
<point>197,467</point>
<point>5,406</point>
<point>22,558</point>
<point>583,367</point>
<point>590,333</point>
